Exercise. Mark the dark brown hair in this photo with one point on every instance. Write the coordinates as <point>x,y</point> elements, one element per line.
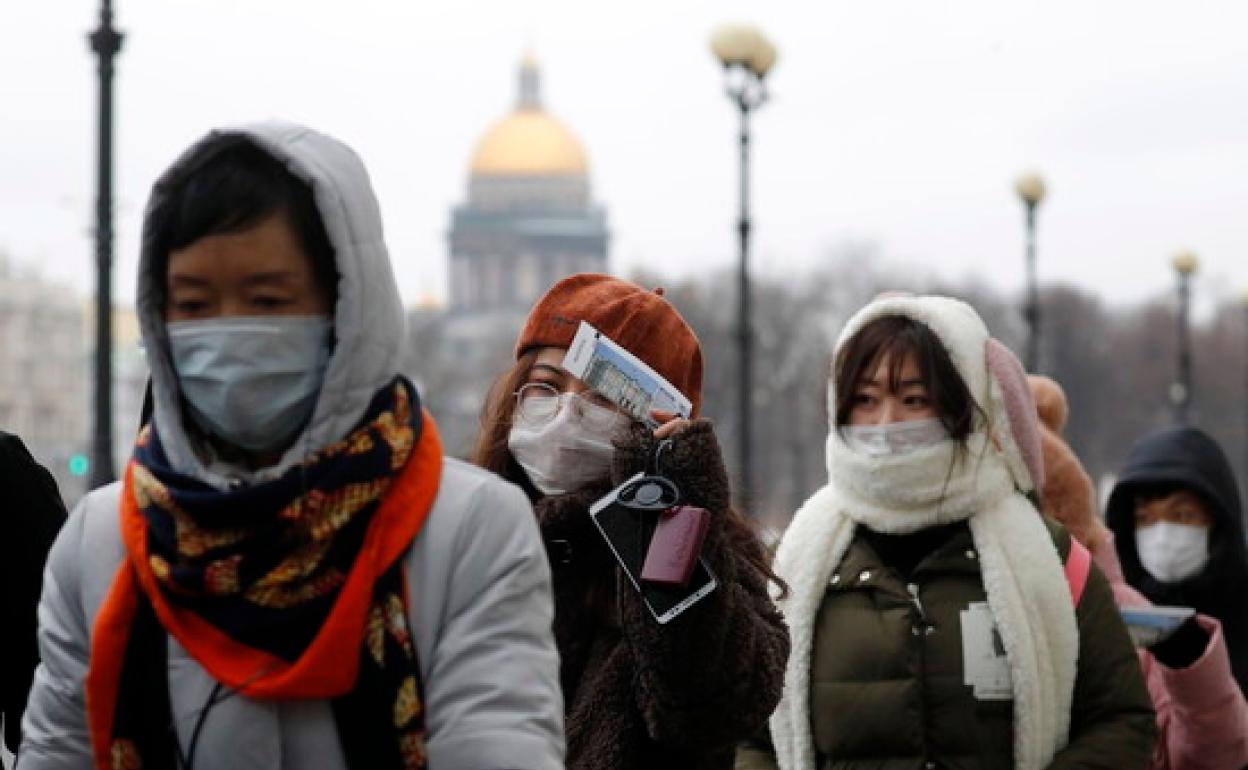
<point>231,184</point>
<point>491,453</point>
<point>896,337</point>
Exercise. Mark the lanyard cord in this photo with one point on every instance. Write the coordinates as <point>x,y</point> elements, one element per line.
<point>186,761</point>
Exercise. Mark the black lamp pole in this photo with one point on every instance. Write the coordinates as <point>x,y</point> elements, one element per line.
<point>1184,265</point>
<point>106,43</point>
<point>747,56</point>
<point>1244,301</point>
<point>747,99</point>
<point>1031,191</point>
<point>1032,311</point>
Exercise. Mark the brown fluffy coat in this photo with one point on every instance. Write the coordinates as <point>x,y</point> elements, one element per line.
<point>1068,494</point>
<point>639,694</point>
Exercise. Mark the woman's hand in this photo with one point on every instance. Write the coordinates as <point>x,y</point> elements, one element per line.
<point>693,460</point>
<point>669,424</point>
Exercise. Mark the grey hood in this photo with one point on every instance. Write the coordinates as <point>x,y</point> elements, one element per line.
<point>368,318</point>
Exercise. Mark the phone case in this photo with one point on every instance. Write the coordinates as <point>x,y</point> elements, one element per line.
<point>628,533</point>
<point>675,546</point>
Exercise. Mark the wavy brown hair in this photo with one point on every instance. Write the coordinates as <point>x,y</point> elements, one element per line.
<point>490,450</point>
<point>491,453</point>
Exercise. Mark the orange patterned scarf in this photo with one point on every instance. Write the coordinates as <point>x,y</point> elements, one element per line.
<point>288,589</point>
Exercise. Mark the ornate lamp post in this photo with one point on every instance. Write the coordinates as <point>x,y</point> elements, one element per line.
<point>747,57</point>
<point>1185,264</point>
<point>106,43</point>
<point>1031,190</point>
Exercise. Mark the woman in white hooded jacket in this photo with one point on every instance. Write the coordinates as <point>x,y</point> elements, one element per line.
<point>290,575</point>
<point>937,621</point>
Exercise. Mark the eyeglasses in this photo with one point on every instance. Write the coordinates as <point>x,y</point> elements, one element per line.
<point>537,403</point>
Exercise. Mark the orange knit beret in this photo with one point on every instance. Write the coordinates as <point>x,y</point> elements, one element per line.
<point>640,321</point>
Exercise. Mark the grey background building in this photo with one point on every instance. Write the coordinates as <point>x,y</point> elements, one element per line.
<point>529,220</point>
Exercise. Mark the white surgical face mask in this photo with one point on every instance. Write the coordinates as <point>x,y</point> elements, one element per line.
<point>566,454</point>
<point>252,382</point>
<point>895,438</point>
<point>1172,552</point>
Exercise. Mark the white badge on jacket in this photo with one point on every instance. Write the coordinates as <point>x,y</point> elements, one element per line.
<point>985,667</point>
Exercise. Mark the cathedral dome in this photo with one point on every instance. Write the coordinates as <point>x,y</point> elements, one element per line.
<point>529,141</point>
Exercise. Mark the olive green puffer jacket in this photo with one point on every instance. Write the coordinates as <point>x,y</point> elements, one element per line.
<point>887,674</point>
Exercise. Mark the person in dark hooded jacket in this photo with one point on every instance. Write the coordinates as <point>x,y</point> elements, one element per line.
<point>1175,514</point>
<point>33,514</point>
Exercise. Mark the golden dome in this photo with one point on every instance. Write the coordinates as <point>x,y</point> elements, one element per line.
<point>529,141</point>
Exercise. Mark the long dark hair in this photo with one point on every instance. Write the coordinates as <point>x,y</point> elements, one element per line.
<point>897,338</point>
<point>491,453</point>
<point>490,450</point>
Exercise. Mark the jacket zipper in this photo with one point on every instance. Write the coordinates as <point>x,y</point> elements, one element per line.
<point>923,627</point>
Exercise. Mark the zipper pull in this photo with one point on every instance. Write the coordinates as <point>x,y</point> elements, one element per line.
<point>923,627</point>
<point>914,598</point>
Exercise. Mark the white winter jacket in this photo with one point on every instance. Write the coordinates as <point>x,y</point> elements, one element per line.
<point>480,608</point>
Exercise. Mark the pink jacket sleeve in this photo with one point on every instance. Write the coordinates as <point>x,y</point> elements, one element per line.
<point>1202,717</point>
<point>1201,712</point>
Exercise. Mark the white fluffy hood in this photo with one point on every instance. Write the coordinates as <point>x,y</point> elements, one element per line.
<point>992,374</point>
<point>368,319</point>
<point>1023,577</point>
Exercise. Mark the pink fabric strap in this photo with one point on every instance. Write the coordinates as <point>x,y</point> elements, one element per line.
<point>1078,565</point>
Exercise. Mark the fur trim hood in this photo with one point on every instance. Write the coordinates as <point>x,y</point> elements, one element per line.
<point>992,373</point>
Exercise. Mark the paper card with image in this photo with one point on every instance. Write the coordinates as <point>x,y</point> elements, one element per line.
<point>621,377</point>
<point>1149,625</point>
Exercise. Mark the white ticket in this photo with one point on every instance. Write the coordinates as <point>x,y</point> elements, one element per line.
<point>624,379</point>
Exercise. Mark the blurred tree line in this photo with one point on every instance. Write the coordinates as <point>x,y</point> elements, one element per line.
<point>1116,364</point>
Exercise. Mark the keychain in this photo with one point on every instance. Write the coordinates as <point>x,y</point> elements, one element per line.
<point>680,530</point>
<point>651,491</point>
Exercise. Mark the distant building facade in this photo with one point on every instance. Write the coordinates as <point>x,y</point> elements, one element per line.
<point>43,371</point>
<point>47,330</point>
<point>614,383</point>
<point>529,220</point>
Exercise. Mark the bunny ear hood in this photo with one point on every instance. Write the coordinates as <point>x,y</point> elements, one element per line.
<point>992,373</point>
<point>978,482</point>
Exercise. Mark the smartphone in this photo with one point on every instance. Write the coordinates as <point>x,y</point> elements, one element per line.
<point>628,532</point>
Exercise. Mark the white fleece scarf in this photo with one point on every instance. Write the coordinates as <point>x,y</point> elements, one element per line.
<point>1022,573</point>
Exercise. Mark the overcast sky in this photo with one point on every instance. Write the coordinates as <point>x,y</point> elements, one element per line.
<point>900,123</point>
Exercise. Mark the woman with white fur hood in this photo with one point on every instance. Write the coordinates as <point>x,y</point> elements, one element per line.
<point>937,621</point>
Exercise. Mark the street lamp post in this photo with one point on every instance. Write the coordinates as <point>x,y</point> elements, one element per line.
<point>1243,300</point>
<point>1031,190</point>
<point>106,43</point>
<point>747,57</point>
<point>1185,264</point>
